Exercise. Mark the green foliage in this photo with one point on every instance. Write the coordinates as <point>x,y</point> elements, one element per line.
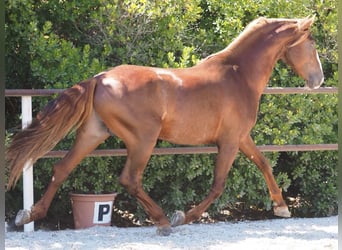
<point>313,182</point>
<point>54,44</point>
<point>57,63</point>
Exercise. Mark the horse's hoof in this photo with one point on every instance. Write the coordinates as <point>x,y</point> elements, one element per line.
<point>23,217</point>
<point>177,218</point>
<point>164,231</point>
<point>282,212</point>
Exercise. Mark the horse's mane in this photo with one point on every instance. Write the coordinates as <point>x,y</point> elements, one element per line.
<point>254,29</point>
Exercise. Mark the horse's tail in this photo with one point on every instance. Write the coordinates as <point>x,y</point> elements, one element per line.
<point>69,110</point>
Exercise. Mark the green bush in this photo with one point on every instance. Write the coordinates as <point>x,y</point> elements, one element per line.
<point>54,44</point>
<point>314,187</point>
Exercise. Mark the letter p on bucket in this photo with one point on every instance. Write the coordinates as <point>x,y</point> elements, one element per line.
<point>91,210</point>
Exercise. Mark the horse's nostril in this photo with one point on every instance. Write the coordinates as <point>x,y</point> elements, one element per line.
<point>315,82</point>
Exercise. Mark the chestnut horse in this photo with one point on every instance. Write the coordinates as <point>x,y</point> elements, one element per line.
<point>213,102</point>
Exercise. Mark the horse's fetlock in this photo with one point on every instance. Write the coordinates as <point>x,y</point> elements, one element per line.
<point>38,212</point>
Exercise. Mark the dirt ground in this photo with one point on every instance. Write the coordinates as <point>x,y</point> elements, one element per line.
<point>293,233</point>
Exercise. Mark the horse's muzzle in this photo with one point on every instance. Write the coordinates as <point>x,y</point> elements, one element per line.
<point>315,82</point>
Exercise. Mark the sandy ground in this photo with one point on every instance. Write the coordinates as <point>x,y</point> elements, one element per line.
<point>294,233</point>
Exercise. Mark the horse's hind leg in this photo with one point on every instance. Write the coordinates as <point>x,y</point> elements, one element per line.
<point>88,137</point>
<point>249,148</point>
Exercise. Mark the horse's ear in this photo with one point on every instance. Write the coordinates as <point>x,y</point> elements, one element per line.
<point>305,24</point>
<point>303,28</point>
<point>288,27</point>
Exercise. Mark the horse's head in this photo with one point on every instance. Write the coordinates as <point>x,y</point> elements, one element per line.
<point>302,56</point>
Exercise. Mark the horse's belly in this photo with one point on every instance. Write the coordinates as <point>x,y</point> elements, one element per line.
<point>188,133</point>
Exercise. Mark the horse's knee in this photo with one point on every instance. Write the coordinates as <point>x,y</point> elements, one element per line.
<point>129,184</point>
<point>124,181</point>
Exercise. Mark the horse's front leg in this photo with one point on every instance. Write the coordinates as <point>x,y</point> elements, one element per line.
<point>225,157</point>
<point>131,179</point>
<point>249,148</point>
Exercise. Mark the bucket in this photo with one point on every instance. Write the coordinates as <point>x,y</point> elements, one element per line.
<point>92,209</point>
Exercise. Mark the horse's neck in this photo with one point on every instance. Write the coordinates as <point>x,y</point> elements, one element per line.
<point>254,60</point>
